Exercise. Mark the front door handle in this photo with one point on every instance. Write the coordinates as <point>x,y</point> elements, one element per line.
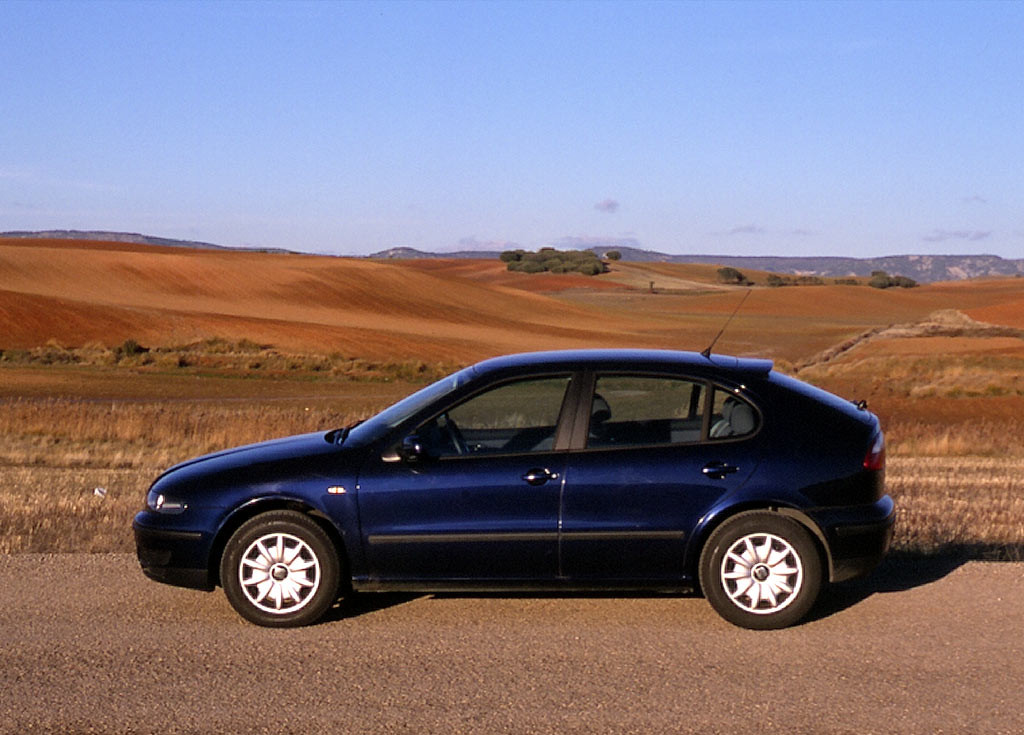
<point>718,470</point>
<point>538,476</point>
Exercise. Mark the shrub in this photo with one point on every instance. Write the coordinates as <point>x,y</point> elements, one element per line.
<point>129,348</point>
<point>728,274</point>
<point>880,279</point>
<point>531,266</point>
<point>904,282</point>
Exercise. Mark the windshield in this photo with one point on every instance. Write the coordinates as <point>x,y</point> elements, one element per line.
<point>399,412</point>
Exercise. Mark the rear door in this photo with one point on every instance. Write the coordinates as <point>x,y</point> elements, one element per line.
<point>647,473</point>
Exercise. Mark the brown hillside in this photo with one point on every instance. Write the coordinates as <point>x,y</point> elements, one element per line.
<point>108,293</point>
<point>441,310</point>
<point>495,273</point>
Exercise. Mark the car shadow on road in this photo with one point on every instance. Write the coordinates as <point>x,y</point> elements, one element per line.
<point>899,572</point>
<point>353,605</point>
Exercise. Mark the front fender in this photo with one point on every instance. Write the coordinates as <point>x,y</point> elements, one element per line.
<point>338,518</point>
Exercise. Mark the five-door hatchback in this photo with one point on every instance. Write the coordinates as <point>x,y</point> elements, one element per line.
<point>577,470</point>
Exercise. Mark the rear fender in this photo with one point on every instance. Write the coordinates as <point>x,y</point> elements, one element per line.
<point>715,519</point>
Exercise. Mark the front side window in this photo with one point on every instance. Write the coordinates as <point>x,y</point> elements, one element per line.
<point>512,418</point>
<point>635,411</point>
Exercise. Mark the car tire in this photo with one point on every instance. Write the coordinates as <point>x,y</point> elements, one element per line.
<point>761,570</point>
<point>280,569</point>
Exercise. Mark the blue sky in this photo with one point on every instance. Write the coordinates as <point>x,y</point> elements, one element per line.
<point>735,128</point>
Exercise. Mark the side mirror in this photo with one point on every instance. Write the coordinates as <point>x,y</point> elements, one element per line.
<point>412,449</point>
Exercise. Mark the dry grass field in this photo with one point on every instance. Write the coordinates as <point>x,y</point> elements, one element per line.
<point>239,347</point>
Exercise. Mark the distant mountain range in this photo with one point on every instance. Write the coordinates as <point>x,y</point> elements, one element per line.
<point>922,268</point>
<point>130,237</point>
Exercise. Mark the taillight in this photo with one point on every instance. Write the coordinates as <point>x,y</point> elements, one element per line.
<point>875,458</point>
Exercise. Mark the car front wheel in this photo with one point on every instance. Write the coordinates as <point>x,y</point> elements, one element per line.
<point>761,570</point>
<point>280,569</point>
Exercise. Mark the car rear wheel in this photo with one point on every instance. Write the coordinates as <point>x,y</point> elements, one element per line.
<point>761,570</point>
<point>280,569</point>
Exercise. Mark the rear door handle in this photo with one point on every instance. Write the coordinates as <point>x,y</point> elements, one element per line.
<point>538,476</point>
<point>718,470</point>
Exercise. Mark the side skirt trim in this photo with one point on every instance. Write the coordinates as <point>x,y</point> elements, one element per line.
<point>433,538</point>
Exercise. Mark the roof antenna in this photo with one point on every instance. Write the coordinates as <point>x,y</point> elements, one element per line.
<point>707,351</point>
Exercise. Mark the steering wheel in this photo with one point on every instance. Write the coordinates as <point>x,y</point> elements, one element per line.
<point>455,435</point>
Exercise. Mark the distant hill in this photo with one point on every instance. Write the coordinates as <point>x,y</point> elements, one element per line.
<point>128,237</point>
<point>922,268</point>
<point>449,311</point>
<point>414,254</point>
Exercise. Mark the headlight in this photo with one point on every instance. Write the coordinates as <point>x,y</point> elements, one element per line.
<point>159,502</point>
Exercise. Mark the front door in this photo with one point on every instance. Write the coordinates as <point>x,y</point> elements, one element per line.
<point>480,501</point>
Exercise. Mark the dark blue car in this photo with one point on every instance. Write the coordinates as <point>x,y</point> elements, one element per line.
<point>583,470</point>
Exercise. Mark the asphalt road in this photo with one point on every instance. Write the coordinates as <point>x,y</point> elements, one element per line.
<point>87,644</point>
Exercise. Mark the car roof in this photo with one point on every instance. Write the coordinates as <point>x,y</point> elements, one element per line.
<point>617,359</point>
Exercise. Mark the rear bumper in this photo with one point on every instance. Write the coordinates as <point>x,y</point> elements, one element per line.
<point>858,537</point>
<point>175,557</point>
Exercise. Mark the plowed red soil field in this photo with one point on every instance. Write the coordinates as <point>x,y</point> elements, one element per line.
<point>76,293</point>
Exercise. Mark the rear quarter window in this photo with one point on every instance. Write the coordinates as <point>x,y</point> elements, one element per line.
<point>732,417</point>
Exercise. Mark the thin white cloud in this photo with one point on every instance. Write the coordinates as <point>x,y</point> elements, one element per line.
<point>968,235</point>
<point>30,177</point>
<point>585,242</point>
<point>759,231</point>
<point>747,230</point>
<point>474,243</point>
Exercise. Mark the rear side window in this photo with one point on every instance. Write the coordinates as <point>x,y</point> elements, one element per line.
<point>637,411</point>
<point>731,416</point>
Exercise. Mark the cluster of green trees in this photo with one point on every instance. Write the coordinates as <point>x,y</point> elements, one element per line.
<point>774,279</point>
<point>881,279</point>
<point>550,260</point>
<point>554,261</point>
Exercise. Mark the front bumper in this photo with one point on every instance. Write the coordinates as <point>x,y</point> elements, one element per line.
<point>172,556</point>
<point>858,537</point>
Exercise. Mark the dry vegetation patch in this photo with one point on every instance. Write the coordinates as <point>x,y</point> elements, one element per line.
<point>967,504</point>
<point>53,509</point>
<point>214,356</point>
<point>55,453</point>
